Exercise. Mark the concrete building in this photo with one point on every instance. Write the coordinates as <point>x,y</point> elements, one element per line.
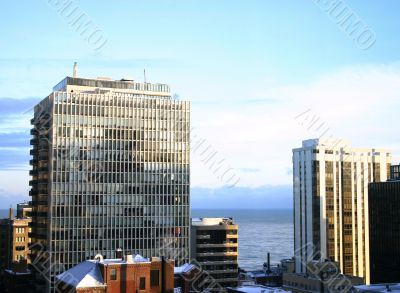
<point>131,274</point>
<point>214,247</point>
<point>384,231</point>
<point>14,240</point>
<point>320,276</point>
<point>331,207</point>
<point>110,168</point>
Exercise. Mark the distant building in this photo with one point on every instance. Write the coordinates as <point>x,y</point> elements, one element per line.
<point>384,231</point>
<point>14,240</point>
<point>110,168</point>
<point>331,203</point>
<point>320,277</point>
<point>395,172</point>
<point>214,247</point>
<point>131,274</point>
<point>24,210</point>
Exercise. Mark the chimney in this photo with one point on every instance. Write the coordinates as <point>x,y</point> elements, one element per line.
<point>11,215</point>
<point>119,254</point>
<point>75,72</point>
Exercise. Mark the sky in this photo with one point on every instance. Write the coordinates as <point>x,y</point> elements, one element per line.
<point>253,71</point>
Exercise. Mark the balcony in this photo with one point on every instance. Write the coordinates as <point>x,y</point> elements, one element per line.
<point>210,245</point>
<point>34,131</point>
<point>44,156</point>
<point>42,181</point>
<point>33,192</point>
<point>39,202</point>
<point>226,253</point>
<point>43,169</point>
<point>231,236</point>
<point>34,141</point>
<point>33,172</point>
<point>203,236</point>
<point>218,262</point>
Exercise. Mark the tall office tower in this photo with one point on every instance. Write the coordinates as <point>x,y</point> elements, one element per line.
<point>214,246</point>
<point>110,170</point>
<point>330,188</point>
<point>384,230</point>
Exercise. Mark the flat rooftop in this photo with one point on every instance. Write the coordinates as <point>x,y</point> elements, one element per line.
<point>123,85</point>
<point>212,221</point>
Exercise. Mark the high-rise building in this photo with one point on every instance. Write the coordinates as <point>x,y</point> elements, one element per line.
<point>384,231</point>
<point>330,188</point>
<point>110,168</point>
<point>214,247</point>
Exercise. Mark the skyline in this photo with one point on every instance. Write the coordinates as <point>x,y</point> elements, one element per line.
<point>248,85</point>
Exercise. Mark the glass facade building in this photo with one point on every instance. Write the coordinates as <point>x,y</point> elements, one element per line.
<point>110,169</point>
<point>384,231</point>
<point>330,189</point>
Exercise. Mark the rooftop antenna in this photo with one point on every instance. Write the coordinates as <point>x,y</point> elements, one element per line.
<point>74,74</point>
<point>144,75</point>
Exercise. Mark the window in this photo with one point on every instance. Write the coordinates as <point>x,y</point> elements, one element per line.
<point>113,274</point>
<point>154,278</point>
<point>142,283</point>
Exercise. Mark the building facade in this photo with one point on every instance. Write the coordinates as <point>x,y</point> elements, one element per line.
<point>330,188</point>
<point>132,274</point>
<point>14,240</point>
<point>214,248</point>
<point>110,168</point>
<point>384,231</point>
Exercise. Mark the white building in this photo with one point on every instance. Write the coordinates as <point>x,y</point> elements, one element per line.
<point>330,188</point>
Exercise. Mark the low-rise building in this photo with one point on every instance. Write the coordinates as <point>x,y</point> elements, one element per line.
<point>393,288</point>
<point>128,274</point>
<point>321,276</point>
<point>214,248</point>
<point>14,240</point>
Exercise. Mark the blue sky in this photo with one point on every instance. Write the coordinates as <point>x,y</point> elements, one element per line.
<point>249,67</point>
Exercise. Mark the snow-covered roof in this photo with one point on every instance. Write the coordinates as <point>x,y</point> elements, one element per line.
<point>257,289</point>
<point>184,268</point>
<point>84,275</point>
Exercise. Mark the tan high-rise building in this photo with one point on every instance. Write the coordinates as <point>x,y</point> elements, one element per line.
<point>214,247</point>
<point>110,168</point>
<point>330,186</point>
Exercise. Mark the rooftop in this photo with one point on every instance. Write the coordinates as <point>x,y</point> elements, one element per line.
<point>255,289</point>
<point>212,221</point>
<point>378,288</point>
<point>87,274</point>
<point>77,84</point>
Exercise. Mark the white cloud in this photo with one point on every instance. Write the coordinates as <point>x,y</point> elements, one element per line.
<point>357,103</point>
